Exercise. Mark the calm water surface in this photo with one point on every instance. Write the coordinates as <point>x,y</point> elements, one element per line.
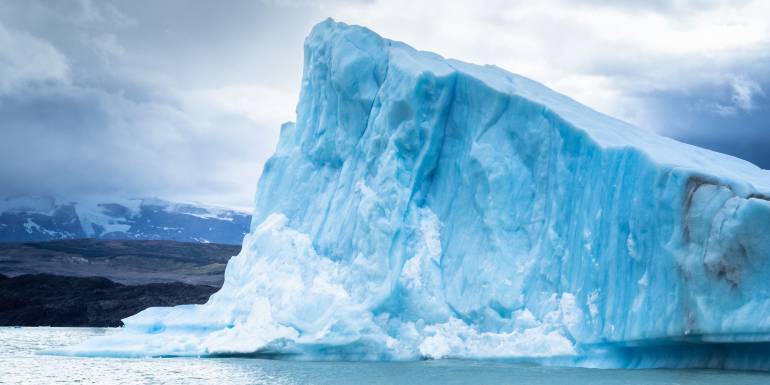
<point>19,364</point>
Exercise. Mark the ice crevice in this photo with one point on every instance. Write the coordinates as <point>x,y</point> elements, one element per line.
<point>422,207</point>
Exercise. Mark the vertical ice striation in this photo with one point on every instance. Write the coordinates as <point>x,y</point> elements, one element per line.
<point>425,207</point>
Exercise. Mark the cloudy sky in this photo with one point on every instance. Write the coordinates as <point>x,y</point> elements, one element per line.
<point>182,99</point>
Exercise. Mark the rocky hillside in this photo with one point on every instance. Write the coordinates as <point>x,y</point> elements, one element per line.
<point>123,261</point>
<point>95,282</point>
<point>52,300</point>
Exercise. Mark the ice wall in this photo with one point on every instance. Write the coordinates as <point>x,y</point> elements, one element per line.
<point>425,208</point>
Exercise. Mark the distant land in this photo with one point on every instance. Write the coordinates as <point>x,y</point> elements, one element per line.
<point>130,262</point>
<point>97,282</point>
<point>28,218</point>
<point>54,300</point>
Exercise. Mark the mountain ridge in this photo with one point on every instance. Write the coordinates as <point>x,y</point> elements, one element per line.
<point>27,218</point>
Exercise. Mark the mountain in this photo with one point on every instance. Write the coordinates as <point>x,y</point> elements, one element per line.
<point>422,207</point>
<point>44,218</point>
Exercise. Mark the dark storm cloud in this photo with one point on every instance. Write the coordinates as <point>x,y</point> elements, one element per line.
<point>721,105</point>
<point>730,118</point>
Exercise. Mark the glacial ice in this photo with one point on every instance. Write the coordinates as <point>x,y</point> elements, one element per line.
<point>423,207</point>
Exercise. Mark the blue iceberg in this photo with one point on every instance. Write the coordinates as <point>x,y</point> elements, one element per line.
<point>422,207</point>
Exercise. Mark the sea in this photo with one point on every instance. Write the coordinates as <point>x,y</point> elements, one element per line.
<point>22,363</point>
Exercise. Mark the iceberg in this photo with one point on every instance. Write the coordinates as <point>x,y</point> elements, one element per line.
<point>425,208</point>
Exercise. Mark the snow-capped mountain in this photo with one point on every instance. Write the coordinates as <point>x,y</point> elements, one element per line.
<point>46,218</point>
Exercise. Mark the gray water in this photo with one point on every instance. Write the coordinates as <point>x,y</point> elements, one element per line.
<point>19,364</point>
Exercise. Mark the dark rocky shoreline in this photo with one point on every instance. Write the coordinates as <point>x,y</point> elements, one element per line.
<point>53,300</point>
<point>90,282</point>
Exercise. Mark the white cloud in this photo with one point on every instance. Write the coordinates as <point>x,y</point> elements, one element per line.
<point>742,98</point>
<point>27,60</point>
<point>83,12</point>
<point>744,91</point>
<point>262,105</point>
<point>106,46</point>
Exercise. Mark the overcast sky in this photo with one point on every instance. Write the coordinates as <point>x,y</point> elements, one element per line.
<point>183,99</point>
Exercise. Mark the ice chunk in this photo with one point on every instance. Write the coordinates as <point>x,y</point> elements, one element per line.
<point>423,207</point>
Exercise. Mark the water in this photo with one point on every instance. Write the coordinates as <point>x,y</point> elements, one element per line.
<point>19,364</point>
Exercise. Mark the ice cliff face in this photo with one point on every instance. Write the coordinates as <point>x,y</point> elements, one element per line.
<point>425,207</point>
